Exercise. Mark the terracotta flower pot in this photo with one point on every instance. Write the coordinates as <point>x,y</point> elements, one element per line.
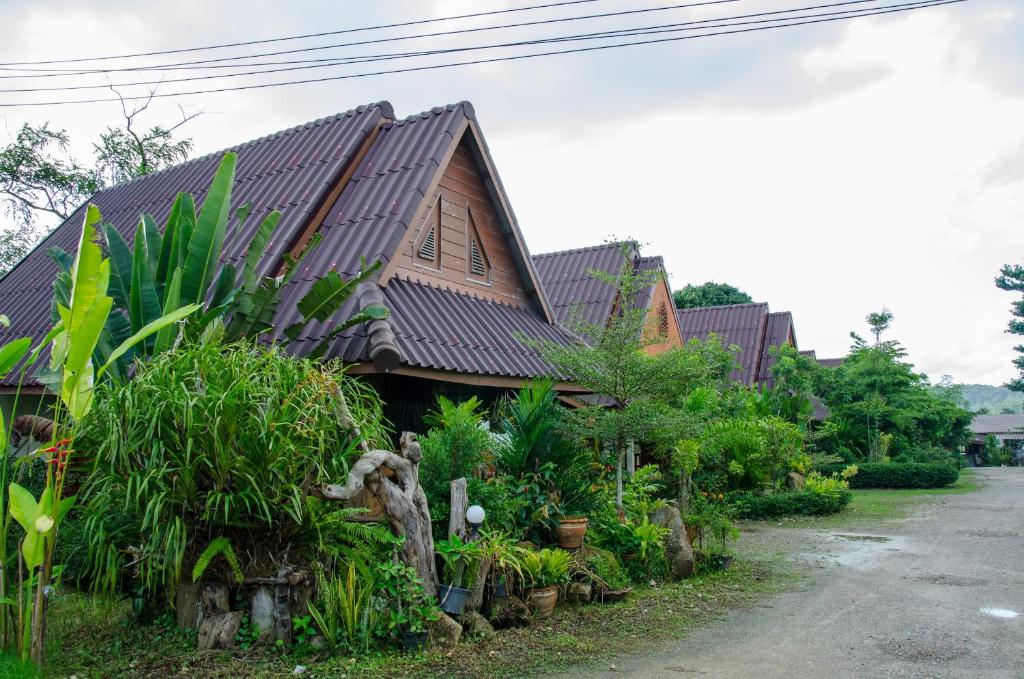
<point>571,532</point>
<point>543,600</point>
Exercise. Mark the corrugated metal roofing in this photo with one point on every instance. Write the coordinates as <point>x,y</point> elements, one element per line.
<point>778,330</point>
<point>997,424</point>
<point>294,171</point>
<point>291,171</point>
<point>448,330</point>
<point>740,324</point>
<point>574,294</point>
<point>830,362</point>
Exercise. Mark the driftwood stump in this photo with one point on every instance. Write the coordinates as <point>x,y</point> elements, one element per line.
<point>459,504</point>
<point>392,479</point>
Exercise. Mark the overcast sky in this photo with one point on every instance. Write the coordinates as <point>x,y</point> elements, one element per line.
<point>828,170</point>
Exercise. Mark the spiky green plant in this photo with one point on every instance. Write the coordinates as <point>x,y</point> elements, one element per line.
<point>216,440</point>
<point>219,545</point>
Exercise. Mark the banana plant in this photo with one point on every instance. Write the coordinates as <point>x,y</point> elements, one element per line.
<point>162,271</point>
<point>82,309</point>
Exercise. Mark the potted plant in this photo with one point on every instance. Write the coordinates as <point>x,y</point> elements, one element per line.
<point>570,531</point>
<point>461,563</point>
<point>412,609</point>
<point>545,569</point>
<point>506,559</point>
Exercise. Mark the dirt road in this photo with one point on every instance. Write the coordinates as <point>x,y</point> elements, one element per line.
<point>940,594</point>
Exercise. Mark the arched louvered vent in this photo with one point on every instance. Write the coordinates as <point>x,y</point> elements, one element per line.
<point>476,260</point>
<point>428,249</point>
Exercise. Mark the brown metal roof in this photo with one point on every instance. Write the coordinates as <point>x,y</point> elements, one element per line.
<point>740,324</point>
<point>294,171</point>
<point>291,171</point>
<point>997,424</point>
<point>778,331</point>
<point>830,362</point>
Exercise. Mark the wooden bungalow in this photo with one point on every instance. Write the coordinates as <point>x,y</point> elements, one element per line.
<point>578,297</point>
<point>420,194</point>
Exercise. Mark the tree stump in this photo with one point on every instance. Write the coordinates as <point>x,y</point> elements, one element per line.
<point>392,479</point>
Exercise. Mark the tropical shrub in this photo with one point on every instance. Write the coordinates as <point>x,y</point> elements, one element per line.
<point>746,453</point>
<point>749,505</point>
<point>212,441</point>
<point>455,446</point>
<point>633,539</point>
<point>461,559</point>
<point>546,567</point>
<point>599,567</point>
<point>901,475</point>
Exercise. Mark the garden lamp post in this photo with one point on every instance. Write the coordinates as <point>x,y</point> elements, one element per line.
<point>475,516</point>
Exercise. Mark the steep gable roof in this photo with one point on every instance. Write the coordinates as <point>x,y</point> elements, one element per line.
<point>576,296</point>
<point>376,170</point>
<point>778,331</point>
<point>291,170</point>
<point>741,324</point>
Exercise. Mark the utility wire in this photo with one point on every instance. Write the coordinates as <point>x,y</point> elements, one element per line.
<point>402,24</point>
<point>699,24</point>
<point>879,11</point>
<point>220,61</point>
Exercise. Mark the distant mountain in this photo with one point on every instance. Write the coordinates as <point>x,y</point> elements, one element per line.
<point>994,399</point>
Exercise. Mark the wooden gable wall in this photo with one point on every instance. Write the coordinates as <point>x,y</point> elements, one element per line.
<point>657,325</point>
<point>460,211</point>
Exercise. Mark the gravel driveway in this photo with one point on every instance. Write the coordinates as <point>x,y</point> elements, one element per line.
<point>940,594</point>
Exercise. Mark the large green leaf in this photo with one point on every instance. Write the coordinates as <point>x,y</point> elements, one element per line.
<point>186,225</point>
<point>23,507</point>
<point>208,237</point>
<point>84,320</point>
<point>153,242</point>
<point>327,295</point>
<point>370,313</point>
<point>145,305</point>
<point>168,260</point>
<point>120,266</point>
<point>146,331</point>
<point>257,247</point>
<point>12,352</point>
<point>172,301</point>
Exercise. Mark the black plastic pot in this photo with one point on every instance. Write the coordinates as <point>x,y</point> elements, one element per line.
<point>500,590</point>
<point>452,599</point>
<point>415,641</point>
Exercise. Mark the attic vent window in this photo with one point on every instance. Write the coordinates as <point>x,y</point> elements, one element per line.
<point>663,320</point>
<point>428,250</point>
<point>476,260</point>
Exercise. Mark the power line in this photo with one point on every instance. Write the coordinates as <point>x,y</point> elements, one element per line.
<point>205,63</point>
<point>922,5</point>
<point>601,35</point>
<point>417,22</point>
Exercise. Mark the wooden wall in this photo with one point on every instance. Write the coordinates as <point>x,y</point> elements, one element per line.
<point>662,296</point>
<point>462,205</point>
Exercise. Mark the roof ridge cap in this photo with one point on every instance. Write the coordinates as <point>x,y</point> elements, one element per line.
<point>386,109</point>
<point>584,249</point>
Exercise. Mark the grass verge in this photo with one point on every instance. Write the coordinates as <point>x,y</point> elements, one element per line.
<point>96,638</point>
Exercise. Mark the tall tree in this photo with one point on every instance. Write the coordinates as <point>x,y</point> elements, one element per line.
<point>879,322</point>
<point>41,183</point>
<point>1011,278</point>
<point>709,294</point>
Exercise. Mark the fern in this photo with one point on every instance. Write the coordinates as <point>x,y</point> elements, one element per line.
<point>219,545</point>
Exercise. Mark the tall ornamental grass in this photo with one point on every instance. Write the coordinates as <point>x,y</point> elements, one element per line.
<point>208,442</point>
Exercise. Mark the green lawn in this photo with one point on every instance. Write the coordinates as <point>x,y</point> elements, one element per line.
<point>878,505</point>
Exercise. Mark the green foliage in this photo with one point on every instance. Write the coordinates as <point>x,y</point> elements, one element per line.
<point>345,610</point>
<point>748,453</point>
<point>505,557</point>
<point>633,539</point>
<point>534,440</point>
<point>750,505</point>
<point>994,399</point>
<point>879,322</point>
<point>454,447</point>
<point>219,545</point>
<point>461,561</point>
<point>216,440</point>
<point>711,516</point>
<point>599,567</point>
<point>546,567</point>
<point>709,294</point>
<point>1011,279</point>
<point>794,373</point>
<point>880,407</point>
<point>901,475</point>
<point>162,272</point>
<point>408,608</point>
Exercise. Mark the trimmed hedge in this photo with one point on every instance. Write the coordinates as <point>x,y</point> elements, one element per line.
<point>899,474</point>
<point>788,503</point>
